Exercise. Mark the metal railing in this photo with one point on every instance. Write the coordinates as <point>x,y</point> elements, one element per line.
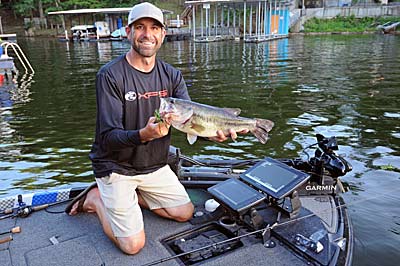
<point>19,53</point>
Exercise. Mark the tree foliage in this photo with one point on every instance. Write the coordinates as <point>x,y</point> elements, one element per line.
<point>31,7</point>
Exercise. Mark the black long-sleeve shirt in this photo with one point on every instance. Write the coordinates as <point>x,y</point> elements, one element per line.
<point>126,99</point>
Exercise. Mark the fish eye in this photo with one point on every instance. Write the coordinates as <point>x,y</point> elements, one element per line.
<point>171,100</point>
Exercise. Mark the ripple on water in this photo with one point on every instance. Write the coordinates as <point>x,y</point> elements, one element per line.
<point>307,119</point>
<point>391,115</point>
<point>307,88</point>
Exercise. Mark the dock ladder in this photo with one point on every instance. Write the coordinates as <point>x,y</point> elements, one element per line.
<point>19,53</point>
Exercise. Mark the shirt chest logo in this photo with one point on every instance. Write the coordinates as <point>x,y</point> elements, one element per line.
<point>130,96</point>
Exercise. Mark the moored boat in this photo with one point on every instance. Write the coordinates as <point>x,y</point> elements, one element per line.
<point>389,27</point>
<point>247,212</point>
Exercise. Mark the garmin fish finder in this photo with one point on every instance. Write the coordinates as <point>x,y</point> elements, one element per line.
<point>236,195</point>
<point>274,178</point>
<point>268,179</point>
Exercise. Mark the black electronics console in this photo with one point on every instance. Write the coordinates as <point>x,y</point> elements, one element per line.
<point>237,195</point>
<point>274,178</point>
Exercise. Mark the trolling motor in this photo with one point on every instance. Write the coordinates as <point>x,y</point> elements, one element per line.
<point>326,159</point>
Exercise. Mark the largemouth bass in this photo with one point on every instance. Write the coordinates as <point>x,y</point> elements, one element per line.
<point>203,120</point>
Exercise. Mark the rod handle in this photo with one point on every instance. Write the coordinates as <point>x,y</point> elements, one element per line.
<point>6,239</point>
<point>40,207</point>
<point>16,229</point>
<point>8,211</point>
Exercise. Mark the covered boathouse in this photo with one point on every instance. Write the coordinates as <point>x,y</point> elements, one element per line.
<point>251,20</point>
<point>114,18</point>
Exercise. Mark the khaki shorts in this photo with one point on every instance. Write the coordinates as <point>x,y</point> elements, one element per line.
<point>160,189</point>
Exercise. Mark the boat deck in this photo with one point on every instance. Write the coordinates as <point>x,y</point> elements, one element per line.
<point>58,239</point>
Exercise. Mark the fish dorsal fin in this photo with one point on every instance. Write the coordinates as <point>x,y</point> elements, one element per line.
<point>234,111</point>
<point>191,138</point>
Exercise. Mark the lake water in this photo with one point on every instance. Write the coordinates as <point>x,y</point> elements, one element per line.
<point>347,86</point>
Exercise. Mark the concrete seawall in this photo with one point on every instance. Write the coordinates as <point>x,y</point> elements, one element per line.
<point>301,16</point>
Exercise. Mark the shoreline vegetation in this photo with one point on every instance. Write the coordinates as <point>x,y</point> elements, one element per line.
<point>345,25</point>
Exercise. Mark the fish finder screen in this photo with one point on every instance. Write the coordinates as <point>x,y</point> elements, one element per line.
<point>283,176</point>
<point>274,177</point>
<point>236,194</point>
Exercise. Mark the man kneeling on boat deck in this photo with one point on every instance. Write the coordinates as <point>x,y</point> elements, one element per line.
<point>130,151</point>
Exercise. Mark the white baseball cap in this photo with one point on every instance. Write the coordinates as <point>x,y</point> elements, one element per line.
<point>145,10</point>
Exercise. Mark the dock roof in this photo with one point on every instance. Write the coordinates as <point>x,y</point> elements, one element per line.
<point>116,10</point>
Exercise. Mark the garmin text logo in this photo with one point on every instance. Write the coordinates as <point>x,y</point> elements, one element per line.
<point>318,187</point>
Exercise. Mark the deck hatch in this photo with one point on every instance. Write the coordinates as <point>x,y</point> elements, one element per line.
<point>200,237</point>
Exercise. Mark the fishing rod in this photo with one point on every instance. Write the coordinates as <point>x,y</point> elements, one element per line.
<point>263,230</point>
<point>24,211</point>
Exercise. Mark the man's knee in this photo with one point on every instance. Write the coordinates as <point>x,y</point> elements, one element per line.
<point>131,245</point>
<point>184,213</point>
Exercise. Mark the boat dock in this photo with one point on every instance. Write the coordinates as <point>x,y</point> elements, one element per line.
<point>205,21</point>
<point>252,21</point>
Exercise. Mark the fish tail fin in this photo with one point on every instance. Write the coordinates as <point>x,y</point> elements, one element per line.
<point>263,126</point>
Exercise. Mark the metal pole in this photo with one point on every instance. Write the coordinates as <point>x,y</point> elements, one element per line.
<point>258,19</point>
<point>207,27</point>
<point>244,20</point>
<point>228,22</point>
<point>275,15</point>
<point>201,14</point>
<point>222,19</point>
<point>194,21</point>
<point>251,20</point>
<point>270,18</point>
<point>239,21</point>
<point>265,19</point>
<point>234,20</point>
<point>283,18</point>
<point>278,8</point>
<point>215,19</point>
